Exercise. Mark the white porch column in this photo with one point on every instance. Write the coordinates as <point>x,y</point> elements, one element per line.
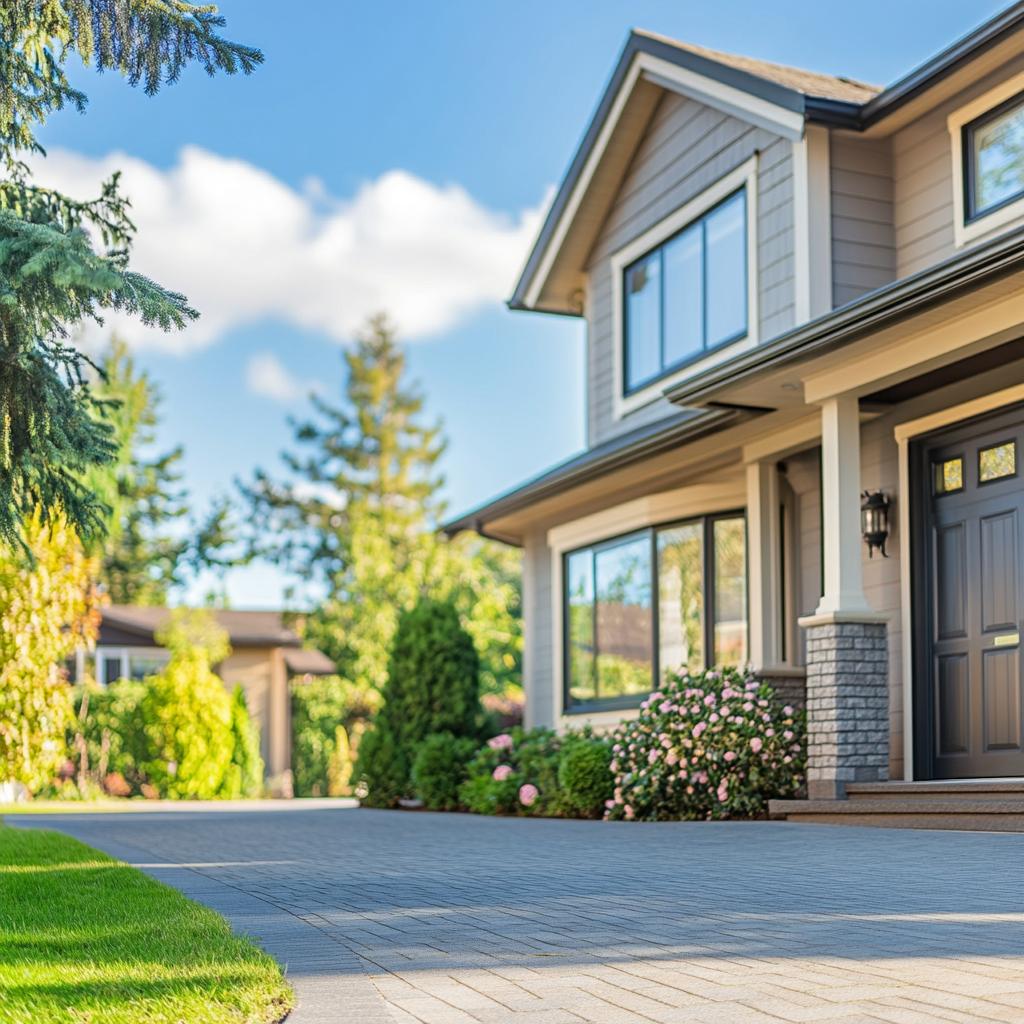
<point>763,564</point>
<point>847,644</point>
<point>843,591</point>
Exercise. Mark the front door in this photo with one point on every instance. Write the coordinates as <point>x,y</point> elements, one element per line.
<point>974,532</point>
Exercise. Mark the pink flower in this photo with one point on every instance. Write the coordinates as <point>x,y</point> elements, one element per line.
<point>501,773</point>
<point>502,742</point>
<point>699,728</point>
<point>787,710</point>
<point>730,755</point>
<point>723,791</point>
<point>769,732</point>
<point>755,744</point>
<point>609,804</point>
<point>653,756</point>
<point>787,735</point>
<point>671,758</point>
<point>748,706</point>
<point>628,812</point>
<point>709,700</point>
<point>528,794</point>
<point>713,717</point>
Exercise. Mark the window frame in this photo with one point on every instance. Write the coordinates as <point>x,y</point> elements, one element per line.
<point>659,250</point>
<point>650,532</point>
<point>967,144</point>
<point>971,225</point>
<point>743,177</point>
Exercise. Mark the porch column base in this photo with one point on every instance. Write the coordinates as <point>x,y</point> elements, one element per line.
<point>847,703</point>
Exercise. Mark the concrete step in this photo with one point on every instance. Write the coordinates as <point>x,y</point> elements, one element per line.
<point>975,789</point>
<point>964,812</point>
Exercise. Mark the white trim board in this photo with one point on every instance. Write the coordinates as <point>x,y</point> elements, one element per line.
<point>744,176</point>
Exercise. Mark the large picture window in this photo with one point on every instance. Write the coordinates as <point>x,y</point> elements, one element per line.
<point>993,151</point>
<point>687,296</point>
<point>667,598</point>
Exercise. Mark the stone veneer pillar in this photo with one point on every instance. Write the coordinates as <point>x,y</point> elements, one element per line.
<point>847,706</point>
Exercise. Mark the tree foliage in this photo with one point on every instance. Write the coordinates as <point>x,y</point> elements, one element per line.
<point>433,687</point>
<point>64,261</point>
<point>357,514</point>
<point>48,607</point>
<point>149,550</point>
<point>188,711</point>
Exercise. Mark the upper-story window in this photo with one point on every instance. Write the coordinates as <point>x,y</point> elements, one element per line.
<point>687,296</point>
<point>993,151</point>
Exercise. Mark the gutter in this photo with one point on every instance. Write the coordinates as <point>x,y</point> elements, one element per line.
<point>879,308</point>
<point>595,463</point>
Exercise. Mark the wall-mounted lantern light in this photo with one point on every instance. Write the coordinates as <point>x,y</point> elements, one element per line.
<point>874,521</point>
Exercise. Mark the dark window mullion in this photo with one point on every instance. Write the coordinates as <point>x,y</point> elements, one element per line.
<point>661,310</point>
<point>708,570</point>
<point>704,283</point>
<point>655,612</point>
<point>593,624</point>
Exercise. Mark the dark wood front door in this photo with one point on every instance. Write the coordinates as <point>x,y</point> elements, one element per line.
<point>974,545</point>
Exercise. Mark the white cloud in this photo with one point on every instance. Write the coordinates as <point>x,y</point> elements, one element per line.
<point>266,375</point>
<point>245,247</point>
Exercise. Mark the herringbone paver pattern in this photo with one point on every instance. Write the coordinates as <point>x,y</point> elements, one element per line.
<point>464,920</point>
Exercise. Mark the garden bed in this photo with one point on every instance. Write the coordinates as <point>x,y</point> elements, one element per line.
<point>87,938</point>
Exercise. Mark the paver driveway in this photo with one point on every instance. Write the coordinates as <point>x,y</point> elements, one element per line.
<point>449,919</point>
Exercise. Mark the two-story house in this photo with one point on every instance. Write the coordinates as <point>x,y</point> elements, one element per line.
<point>804,302</point>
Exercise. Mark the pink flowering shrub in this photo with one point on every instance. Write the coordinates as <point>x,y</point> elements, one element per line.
<point>710,745</point>
<point>540,773</point>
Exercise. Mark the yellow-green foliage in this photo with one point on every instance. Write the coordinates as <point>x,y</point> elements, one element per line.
<point>47,609</point>
<point>188,711</point>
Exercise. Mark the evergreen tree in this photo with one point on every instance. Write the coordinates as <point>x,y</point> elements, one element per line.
<point>140,559</point>
<point>357,513</point>
<point>52,277</point>
<point>433,687</point>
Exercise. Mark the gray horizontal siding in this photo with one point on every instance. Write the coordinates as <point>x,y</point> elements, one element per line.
<point>686,148</point>
<point>923,180</point>
<point>863,244</point>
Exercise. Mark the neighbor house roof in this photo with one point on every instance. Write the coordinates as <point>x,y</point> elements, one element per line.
<point>795,94</point>
<point>244,628</point>
<point>302,661</point>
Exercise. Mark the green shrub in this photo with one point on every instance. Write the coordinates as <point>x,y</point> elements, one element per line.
<point>585,776</point>
<point>187,713</point>
<point>439,769</point>
<point>433,686</point>
<point>516,773</point>
<point>109,720</point>
<point>244,777</point>
<point>709,745</point>
<point>327,718</point>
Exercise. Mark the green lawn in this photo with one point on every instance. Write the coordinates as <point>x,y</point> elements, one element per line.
<point>88,940</point>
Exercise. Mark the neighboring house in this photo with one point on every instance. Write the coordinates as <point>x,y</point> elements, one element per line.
<point>265,654</point>
<point>796,288</point>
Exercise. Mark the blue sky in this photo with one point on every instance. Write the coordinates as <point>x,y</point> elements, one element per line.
<point>399,154</point>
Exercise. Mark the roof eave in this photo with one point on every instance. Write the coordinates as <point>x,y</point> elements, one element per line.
<point>876,309</point>
<point>593,464</point>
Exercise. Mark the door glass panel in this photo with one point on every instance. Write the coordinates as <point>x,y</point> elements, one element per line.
<point>997,152</point>
<point>579,572</point>
<point>730,558</point>
<point>681,598</point>
<point>643,320</point>
<point>997,462</point>
<point>949,476</point>
<point>625,627</point>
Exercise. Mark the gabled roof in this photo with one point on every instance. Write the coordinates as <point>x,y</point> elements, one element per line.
<point>773,95</point>
<point>808,83</point>
<point>244,628</point>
